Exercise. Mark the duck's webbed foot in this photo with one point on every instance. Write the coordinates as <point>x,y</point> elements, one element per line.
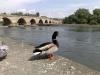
<point>50,56</point>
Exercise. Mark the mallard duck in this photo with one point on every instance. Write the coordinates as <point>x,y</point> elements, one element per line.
<point>48,47</point>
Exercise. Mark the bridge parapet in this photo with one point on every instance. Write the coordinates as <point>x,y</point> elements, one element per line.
<point>27,20</point>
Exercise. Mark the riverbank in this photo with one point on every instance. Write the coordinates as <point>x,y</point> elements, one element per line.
<point>84,25</point>
<point>18,63</point>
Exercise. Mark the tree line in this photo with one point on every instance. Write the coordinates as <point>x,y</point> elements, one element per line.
<point>83,16</point>
<point>26,14</point>
<point>37,14</point>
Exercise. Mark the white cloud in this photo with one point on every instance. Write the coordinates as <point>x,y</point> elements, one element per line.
<point>22,10</point>
<point>15,3</point>
<point>57,13</point>
<point>63,12</point>
<point>32,11</point>
<point>68,9</point>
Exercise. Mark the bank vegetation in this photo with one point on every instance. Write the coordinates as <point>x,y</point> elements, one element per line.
<point>83,16</point>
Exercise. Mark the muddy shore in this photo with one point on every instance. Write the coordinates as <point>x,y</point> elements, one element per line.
<point>18,62</point>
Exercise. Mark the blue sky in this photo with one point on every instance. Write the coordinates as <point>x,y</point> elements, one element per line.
<point>50,8</point>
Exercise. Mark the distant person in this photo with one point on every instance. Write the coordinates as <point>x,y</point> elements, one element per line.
<point>3,50</point>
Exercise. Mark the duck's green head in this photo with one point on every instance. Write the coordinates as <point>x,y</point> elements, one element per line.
<point>55,34</point>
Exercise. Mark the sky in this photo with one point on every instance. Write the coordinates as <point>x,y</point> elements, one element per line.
<point>50,8</point>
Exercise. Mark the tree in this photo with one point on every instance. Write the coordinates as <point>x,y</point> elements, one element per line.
<point>96,12</point>
<point>65,20</point>
<point>82,21</point>
<point>20,13</point>
<point>4,13</point>
<point>82,16</point>
<point>70,20</point>
<point>37,14</point>
<point>98,19</point>
<point>17,13</point>
<point>93,22</point>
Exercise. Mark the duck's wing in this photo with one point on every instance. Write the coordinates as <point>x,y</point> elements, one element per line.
<point>45,46</point>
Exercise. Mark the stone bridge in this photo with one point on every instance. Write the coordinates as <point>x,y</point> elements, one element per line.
<point>13,20</point>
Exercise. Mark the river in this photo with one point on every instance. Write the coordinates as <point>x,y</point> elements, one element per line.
<point>80,44</point>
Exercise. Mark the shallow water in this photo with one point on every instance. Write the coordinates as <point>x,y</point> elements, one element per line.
<point>80,44</point>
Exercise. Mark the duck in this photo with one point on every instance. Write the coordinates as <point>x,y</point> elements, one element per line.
<point>3,50</point>
<point>48,47</point>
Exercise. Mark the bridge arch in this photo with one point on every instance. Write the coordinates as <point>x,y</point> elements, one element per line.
<point>6,21</point>
<point>21,21</point>
<point>50,22</point>
<point>40,21</point>
<point>46,21</point>
<point>32,21</point>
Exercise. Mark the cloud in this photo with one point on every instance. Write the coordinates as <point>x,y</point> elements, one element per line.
<point>70,9</point>
<point>15,3</point>
<point>31,11</point>
<point>51,8</point>
<point>57,13</point>
<point>62,12</point>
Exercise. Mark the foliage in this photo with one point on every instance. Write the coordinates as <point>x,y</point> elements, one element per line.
<point>92,22</point>
<point>65,20</point>
<point>37,14</point>
<point>25,14</point>
<point>83,16</point>
<point>96,12</point>
<point>17,13</point>
<point>71,19</point>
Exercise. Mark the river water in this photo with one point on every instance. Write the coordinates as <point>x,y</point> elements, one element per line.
<point>80,44</point>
